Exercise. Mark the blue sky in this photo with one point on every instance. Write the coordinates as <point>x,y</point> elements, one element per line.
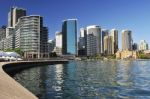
<point>119,14</point>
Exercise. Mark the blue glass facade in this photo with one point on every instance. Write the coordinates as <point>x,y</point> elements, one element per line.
<point>69,31</point>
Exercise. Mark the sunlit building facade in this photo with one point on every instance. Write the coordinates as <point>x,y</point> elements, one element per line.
<point>143,45</point>
<point>108,45</point>
<point>58,45</point>
<point>93,40</point>
<point>31,37</point>
<point>114,34</point>
<point>127,40</point>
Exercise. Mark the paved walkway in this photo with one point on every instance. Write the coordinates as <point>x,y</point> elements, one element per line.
<point>10,89</point>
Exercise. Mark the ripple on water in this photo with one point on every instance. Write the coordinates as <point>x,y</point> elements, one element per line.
<point>89,80</point>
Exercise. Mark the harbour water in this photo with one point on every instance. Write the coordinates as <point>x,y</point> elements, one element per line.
<point>89,80</point>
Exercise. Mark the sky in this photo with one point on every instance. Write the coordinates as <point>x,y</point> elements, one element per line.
<point>120,14</point>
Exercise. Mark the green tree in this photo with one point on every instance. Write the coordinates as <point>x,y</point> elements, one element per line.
<point>8,50</point>
<point>142,55</point>
<point>19,51</point>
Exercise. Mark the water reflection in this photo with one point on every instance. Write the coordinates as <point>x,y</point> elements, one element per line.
<point>89,80</point>
<point>30,79</point>
<point>59,77</point>
<point>53,86</point>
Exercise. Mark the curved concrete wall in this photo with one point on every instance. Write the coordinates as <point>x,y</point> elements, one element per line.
<point>9,88</point>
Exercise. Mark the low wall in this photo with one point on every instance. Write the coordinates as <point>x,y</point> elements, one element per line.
<point>9,88</point>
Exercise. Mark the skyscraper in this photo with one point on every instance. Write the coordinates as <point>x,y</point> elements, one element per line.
<point>2,32</point>
<point>82,42</point>
<point>2,37</point>
<point>59,39</point>
<point>9,42</point>
<point>83,32</point>
<point>43,38</point>
<point>58,45</point>
<point>126,40</point>
<point>105,32</point>
<point>93,40</point>
<point>143,45</point>
<point>7,38</point>
<point>69,36</point>
<point>14,14</point>
<point>108,45</point>
<point>31,37</point>
<point>114,34</point>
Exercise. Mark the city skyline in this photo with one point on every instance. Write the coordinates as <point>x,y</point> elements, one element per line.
<point>25,32</point>
<point>107,14</point>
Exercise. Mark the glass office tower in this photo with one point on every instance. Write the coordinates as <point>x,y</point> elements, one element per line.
<point>69,37</point>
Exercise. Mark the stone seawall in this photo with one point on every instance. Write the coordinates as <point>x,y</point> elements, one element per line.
<point>9,88</point>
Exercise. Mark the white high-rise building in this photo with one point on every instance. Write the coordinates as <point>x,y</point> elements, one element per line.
<point>31,37</point>
<point>93,40</point>
<point>82,32</point>
<point>59,39</point>
<point>58,46</point>
<point>126,40</point>
<point>143,45</point>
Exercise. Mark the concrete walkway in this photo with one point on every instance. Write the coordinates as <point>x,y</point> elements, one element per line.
<point>9,88</point>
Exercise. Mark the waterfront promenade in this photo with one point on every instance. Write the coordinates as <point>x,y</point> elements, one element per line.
<point>9,88</point>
